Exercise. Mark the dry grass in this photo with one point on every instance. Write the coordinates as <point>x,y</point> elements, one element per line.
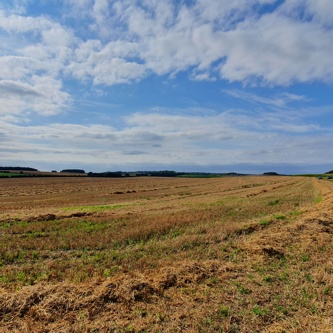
<point>242,254</point>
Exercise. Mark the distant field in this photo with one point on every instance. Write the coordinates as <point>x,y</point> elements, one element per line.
<point>234,254</point>
<point>10,174</point>
<point>25,173</point>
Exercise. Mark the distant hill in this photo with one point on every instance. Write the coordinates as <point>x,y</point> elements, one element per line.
<point>17,169</point>
<point>329,172</point>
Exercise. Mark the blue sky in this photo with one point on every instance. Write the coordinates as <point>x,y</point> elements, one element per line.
<point>191,85</point>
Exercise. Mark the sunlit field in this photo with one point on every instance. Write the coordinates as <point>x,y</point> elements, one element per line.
<point>234,254</point>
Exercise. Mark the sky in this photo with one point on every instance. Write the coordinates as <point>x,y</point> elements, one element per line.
<point>189,85</point>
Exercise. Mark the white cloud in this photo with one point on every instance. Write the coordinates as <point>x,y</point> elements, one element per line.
<point>43,96</point>
<point>32,63</point>
<point>14,23</point>
<point>278,51</point>
<point>202,76</point>
<point>106,65</point>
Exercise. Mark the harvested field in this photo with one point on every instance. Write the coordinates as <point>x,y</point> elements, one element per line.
<point>236,254</point>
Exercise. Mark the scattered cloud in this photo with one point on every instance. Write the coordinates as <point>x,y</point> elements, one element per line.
<point>275,47</point>
<point>281,100</point>
<point>202,140</point>
<point>51,60</point>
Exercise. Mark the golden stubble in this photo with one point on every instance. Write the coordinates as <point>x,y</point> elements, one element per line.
<point>236,254</point>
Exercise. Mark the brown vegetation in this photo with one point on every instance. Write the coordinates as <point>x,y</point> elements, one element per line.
<point>238,254</point>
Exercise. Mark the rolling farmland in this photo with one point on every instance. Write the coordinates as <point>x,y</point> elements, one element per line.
<point>146,254</point>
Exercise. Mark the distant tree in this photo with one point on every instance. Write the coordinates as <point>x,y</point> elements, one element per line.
<point>73,171</point>
<point>105,174</point>
<point>164,173</point>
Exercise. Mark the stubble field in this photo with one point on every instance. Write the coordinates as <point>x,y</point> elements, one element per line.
<point>236,254</point>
